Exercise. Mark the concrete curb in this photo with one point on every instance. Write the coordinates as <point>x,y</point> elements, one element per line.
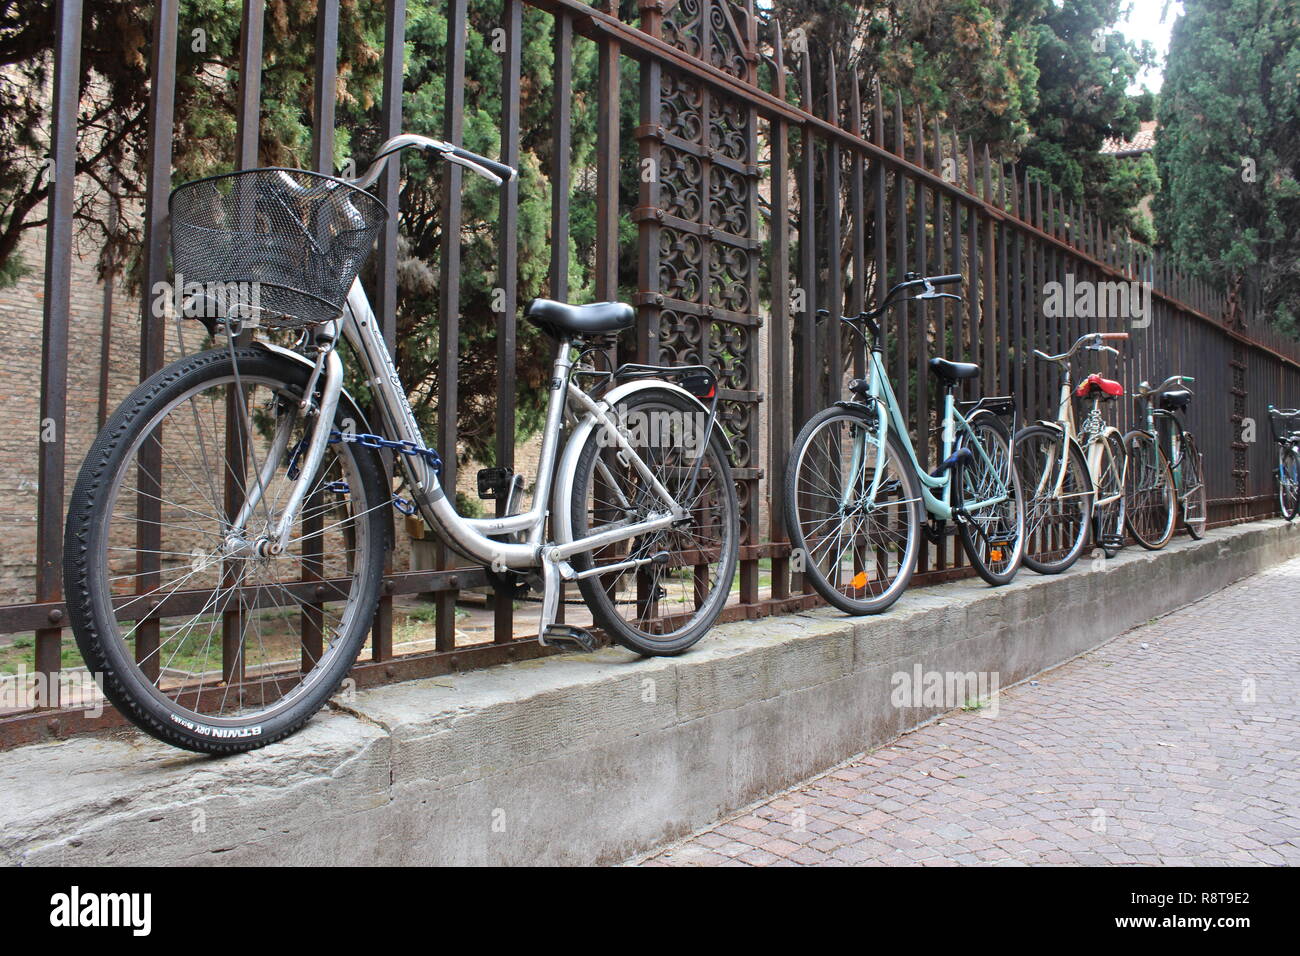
<point>586,759</point>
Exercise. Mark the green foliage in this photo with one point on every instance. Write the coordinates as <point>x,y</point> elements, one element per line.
<point>1229,148</point>
<point>1084,71</point>
<point>966,63</point>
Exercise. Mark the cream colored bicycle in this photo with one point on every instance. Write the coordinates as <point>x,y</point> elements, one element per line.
<point>1073,475</point>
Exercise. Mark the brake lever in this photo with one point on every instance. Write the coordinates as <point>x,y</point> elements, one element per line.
<point>931,294</point>
<point>473,167</point>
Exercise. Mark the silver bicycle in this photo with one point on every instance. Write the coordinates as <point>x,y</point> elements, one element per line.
<point>225,544</point>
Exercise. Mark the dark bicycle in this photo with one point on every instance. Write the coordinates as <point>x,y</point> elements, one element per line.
<point>1286,435</point>
<point>1178,446</point>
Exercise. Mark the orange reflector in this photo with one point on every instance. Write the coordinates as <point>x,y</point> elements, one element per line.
<point>860,579</point>
<point>995,554</point>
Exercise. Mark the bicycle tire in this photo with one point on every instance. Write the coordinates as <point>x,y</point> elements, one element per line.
<point>600,593</point>
<point>1009,528</point>
<point>1195,503</point>
<point>89,588</point>
<point>795,502</point>
<point>1288,481</point>
<point>1150,521</point>
<point>1023,443</point>
<point>1108,517</point>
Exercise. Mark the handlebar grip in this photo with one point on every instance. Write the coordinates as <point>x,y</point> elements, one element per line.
<point>954,279</point>
<point>1187,380</point>
<point>506,173</point>
<point>1115,336</point>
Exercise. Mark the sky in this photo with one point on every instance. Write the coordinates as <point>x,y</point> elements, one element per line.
<point>1151,20</point>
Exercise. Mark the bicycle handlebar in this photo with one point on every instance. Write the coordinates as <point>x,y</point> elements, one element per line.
<point>911,280</point>
<point>1143,390</point>
<point>1091,340</point>
<point>489,169</point>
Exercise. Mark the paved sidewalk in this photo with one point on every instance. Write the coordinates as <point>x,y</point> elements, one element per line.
<point>1176,743</point>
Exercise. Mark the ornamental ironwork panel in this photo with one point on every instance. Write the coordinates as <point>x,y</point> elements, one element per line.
<point>699,234</point>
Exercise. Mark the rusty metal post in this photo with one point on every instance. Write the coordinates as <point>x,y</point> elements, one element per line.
<point>158,182</point>
<point>52,428</point>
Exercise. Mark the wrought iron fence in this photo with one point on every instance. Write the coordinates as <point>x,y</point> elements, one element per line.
<point>766,194</point>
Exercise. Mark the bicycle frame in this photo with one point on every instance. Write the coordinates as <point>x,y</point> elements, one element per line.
<point>478,538</point>
<point>474,536</point>
<point>881,392</point>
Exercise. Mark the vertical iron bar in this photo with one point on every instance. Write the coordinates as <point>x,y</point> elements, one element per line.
<point>162,91</point>
<point>381,628</point>
<point>806,358</point>
<point>453,122</point>
<point>54,341</point>
<point>561,131</point>
<point>508,244</point>
<point>312,618</point>
<point>247,126</point>
<point>779,410</point>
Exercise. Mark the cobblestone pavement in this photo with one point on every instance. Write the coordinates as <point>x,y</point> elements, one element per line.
<point>1176,743</point>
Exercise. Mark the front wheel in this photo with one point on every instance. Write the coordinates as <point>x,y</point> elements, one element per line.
<point>992,510</point>
<point>1056,524</point>
<point>665,589</point>
<point>853,511</point>
<point>1107,451</point>
<point>200,633</point>
<point>1151,504</point>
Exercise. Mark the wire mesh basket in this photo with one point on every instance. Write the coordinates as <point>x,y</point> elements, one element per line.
<point>1285,422</point>
<point>281,246</point>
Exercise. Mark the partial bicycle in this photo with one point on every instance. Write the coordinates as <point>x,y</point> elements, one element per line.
<point>857,494</point>
<point>1285,423</point>
<point>225,544</point>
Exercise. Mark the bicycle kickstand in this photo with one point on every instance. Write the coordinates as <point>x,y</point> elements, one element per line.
<point>549,633</point>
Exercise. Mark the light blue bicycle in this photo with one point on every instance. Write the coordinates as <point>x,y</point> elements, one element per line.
<point>855,486</point>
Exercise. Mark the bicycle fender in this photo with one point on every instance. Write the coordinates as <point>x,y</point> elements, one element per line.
<point>630,388</point>
<point>568,467</point>
<point>351,409</point>
<point>857,407</point>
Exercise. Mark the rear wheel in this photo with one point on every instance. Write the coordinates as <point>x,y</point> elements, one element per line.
<point>992,534</point>
<point>202,634</point>
<point>1056,525</point>
<point>1108,504</point>
<point>858,551</point>
<point>1151,505</point>
<point>1288,481</point>
<point>660,606</point>
<point>1191,479</point>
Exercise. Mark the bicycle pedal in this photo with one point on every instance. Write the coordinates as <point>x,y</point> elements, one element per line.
<point>1112,540</point>
<point>574,638</point>
<point>494,482</point>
